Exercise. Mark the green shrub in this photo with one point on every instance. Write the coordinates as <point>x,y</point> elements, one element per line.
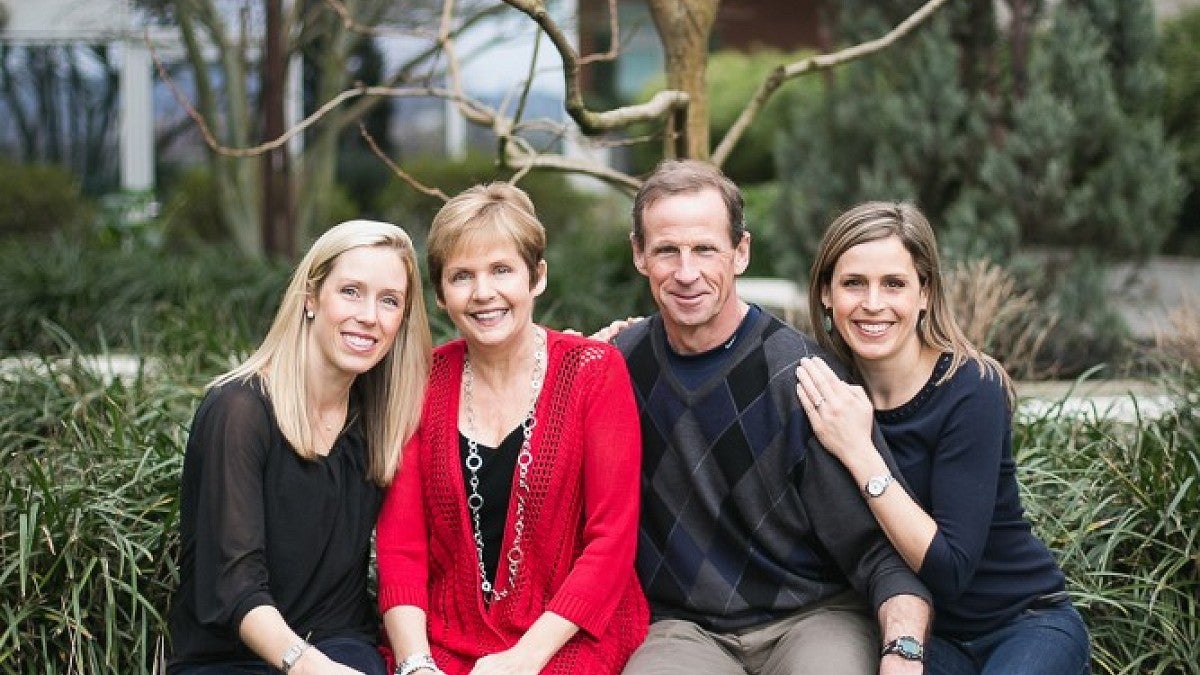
<point>1120,503</point>
<point>192,212</point>
<point>39,200</point>
<point>89,477</point>
<point>210,301</point>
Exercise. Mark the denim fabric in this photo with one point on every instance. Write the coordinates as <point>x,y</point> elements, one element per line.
<point>352,652</point>
<point>1042,641</point>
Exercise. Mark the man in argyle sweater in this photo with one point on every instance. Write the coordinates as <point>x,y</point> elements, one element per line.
<point>757,551</point>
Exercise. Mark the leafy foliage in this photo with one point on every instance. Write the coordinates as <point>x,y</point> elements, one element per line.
<point>1119,503</point>
<point>88,481</point>
<point>39,200</point>
<point>1180,57</point>
<point>1052,142</point>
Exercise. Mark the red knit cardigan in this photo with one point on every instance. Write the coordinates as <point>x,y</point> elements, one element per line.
<point>580,524</point>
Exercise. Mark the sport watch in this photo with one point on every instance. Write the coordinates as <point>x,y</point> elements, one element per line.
<point>906,647</point>
<point>877,484</point>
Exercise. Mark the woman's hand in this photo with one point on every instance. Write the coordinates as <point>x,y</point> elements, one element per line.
<point>533,651</point>
<point>841,414</point>
<point>508,662</point>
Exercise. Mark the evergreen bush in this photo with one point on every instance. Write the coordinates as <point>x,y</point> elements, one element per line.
<point>1180,57</point>
<point>1057,148</point>
<point>39,200</point>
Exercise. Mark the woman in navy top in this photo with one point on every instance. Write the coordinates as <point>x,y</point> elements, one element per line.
<point>945,411</point>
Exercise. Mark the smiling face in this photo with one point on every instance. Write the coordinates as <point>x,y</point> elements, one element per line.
<point>686,254</point>
<point>876,298</point>
<point>358,310</point>
<point>487,292</point>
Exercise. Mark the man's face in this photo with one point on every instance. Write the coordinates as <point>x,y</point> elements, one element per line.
<point>692,265</point>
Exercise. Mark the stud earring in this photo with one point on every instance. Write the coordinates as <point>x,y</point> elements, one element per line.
<point>310,315</point>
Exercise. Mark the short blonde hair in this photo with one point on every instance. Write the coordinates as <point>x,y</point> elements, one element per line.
<point>391,393</point>
<point>485,212</point>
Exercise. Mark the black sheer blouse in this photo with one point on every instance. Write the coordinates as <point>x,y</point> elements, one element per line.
<point>261,526</point>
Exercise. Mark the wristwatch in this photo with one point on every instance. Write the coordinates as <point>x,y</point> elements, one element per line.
<point>906,647</point>
<point>293,654</point>
<point>877,484</point>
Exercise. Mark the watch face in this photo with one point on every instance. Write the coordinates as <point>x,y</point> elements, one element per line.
<point>909,648</point>
<point>877,485</point>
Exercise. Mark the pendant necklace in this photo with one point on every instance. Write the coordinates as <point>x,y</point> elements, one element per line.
<point>474,462</point>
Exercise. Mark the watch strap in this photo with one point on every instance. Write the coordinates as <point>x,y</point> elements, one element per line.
<point>292,655</point>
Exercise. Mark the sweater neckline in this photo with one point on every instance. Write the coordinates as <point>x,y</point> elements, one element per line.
<point>743,343</point>
<point>911,406</point>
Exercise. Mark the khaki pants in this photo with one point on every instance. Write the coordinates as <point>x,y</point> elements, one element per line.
<point>836,637</point>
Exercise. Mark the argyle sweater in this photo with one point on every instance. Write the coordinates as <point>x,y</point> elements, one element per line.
<point>745,517</point>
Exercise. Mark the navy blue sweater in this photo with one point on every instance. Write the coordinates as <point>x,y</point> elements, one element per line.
<point>745,517</point>
<point>953,443</point>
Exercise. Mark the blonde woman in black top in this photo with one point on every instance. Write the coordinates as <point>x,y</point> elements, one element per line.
<point>285,466</point>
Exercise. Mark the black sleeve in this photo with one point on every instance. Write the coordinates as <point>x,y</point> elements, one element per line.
<point>227,455</point>
<point>845,525</point>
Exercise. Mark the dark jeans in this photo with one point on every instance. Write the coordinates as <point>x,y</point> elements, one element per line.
<point>1039,641</point>
<point>357,654</point>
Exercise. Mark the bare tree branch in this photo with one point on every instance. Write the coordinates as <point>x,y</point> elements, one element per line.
<point>525,160</point>
<point>815,64</point>
<point>614,38</point>
<point>591,122</point>
<point>400,173</point>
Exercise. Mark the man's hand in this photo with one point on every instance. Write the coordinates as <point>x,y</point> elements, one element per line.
<point>903,615</point>
<point>610,331</point>
<point>893,664</point>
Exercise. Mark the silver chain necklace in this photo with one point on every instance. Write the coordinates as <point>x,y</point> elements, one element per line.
<point>474,462</point>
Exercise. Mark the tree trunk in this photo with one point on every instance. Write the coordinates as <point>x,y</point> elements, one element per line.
<point>278,221</point>
<point>684,27</point>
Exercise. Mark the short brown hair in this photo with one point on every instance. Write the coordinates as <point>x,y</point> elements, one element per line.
<point>677,176</point>
<point>483,212</point>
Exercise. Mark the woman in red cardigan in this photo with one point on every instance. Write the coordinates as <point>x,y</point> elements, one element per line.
<point>506,544</point>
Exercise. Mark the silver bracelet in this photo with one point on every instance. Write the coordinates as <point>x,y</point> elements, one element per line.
<point>416,662</point>
<point>293,654</point>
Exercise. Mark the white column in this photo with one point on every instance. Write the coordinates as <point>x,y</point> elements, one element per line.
<point>294,102</point>
<point>137,118</point>
<point>456,131</point>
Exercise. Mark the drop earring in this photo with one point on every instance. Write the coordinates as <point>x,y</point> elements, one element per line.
<point>827,321</point>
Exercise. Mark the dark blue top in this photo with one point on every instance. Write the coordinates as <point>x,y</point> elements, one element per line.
<point>953,443</point>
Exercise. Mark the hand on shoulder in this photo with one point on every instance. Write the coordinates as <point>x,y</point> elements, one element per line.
<point>613,329</point>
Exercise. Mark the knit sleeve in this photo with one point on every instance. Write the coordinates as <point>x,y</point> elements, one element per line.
<point>401,537</point>
<point>228,447</point>
<point>966,469</point>
<point>611,467</point>
<point>849,532</point>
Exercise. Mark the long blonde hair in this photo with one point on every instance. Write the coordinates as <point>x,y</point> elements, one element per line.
<point>390,393</point>
<point>872,221</point>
